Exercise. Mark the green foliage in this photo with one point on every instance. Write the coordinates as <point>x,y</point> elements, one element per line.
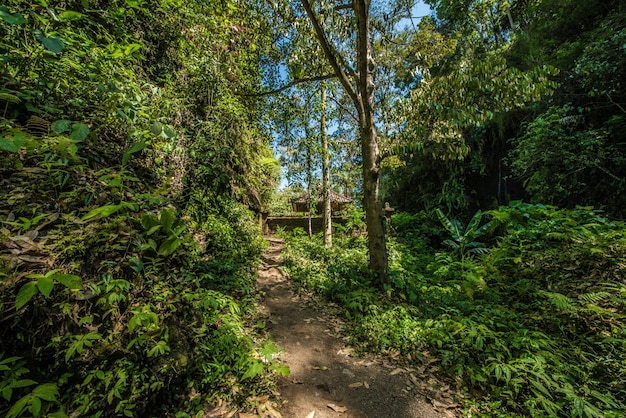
<point>463,240</point>
<point>127,160</point>
<point>44,284</point>
<point>562,163</point>
<point>534,327</point>
<point>37,401</point>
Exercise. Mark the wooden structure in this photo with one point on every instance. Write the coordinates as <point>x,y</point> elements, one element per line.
<point>337,202</point>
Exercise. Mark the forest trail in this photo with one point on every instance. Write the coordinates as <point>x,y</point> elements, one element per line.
<point>327,379</point>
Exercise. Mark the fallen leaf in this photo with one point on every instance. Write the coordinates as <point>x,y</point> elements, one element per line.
<point>259,398</point>
<point>274,413</point>
<point>337,408</point>
<point>311,414</point>
<point>347,351</point>
<point>355,385</point>
<point>33,259</point>
<point>397,371</point>
<point>441,405</point>
<point>25,242</point>
<point>32,234</point>
<point>367,386</point>
<point>320,368</point>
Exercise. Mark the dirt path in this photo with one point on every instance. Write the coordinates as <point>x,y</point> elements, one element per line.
<point>326,380</point>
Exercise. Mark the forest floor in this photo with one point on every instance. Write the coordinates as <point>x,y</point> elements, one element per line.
<point>327,378</point>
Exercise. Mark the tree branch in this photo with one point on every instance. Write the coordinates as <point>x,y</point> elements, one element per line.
<point>345,109</point>
<point>331,54</point>
<point>344,6</point>
<point>291,84</point>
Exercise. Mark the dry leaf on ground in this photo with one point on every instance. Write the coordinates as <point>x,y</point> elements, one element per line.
<point>337,408</point>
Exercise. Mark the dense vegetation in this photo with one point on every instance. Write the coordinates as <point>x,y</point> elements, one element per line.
<point>528,321</point>
<point>128,167</point>
<point>136,157</point>
<point>566,149</point>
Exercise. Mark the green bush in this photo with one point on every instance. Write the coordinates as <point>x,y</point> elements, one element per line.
<point>534,327</point>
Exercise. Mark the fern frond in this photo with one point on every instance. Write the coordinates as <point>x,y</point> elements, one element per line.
<point>594,297</point>
<point>560,301</point>
<point>9,98</point>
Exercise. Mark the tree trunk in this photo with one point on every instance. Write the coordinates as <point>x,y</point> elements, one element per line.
<point>362,95</point>
<point>328,231</point>
<point>377,245</point>
<point>309,180</point>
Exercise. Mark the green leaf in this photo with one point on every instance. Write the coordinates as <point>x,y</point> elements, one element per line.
<point>60,126</point>
<point>136,147</point>
<point>153,230</point>
<point>11,359</point>
<point>268,350</point>
<point>70,15</point>
<point>453,227</point>
<point>255,369</point>
<point>9,98</point>
<point>131,49</point>
<point>167,218</point>
<point>25,294</point>
<point>156,128</point>
<point>102,211</point>
<point>169,245</point>
<point>473,223</point>
<point>45,285</point>
<point>169,131</point>
<point>136,264</point>
<point>35,406</point>
<point>23,383</point>
<point>149,220</point>
<point>12,19</point>
<point>9,145</point>
<point>52,43</point>
<point>80,131</point>
<point>19,406</point>
<point>7,393</point>
<point>47,392</point>
<point>70,281</point>
<point>281,369</point>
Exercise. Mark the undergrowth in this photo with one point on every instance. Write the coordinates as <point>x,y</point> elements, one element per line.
<point>535,326</point>
<point>128,250</point>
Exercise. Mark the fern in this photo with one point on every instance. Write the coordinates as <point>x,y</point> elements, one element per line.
<point>594,297</point>
<point>560,301</point>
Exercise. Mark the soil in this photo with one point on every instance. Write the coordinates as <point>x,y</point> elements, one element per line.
<point>327,379</point>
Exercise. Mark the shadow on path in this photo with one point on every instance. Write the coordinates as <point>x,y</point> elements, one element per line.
<point>326,380</point>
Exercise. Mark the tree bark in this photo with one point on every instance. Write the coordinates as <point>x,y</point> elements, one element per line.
<point>328,227</point>
<point>309,180</point>
<point>377,246</point>
<point>362,95</point>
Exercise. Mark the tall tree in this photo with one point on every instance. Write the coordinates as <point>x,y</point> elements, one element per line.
<point>358,82</point>
<point>328,231</point>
